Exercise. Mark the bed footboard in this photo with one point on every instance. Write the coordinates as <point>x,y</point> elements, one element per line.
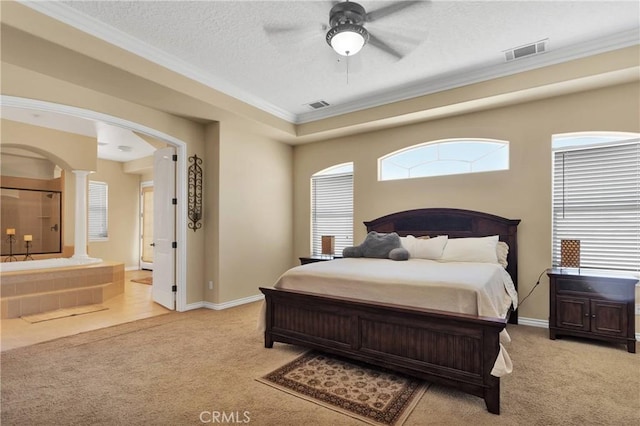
<point>456,350</point>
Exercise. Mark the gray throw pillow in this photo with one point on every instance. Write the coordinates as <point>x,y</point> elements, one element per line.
<point>375,245</point>
<point>352,252</point>
<point>378,245</point>
<point>400,253</point>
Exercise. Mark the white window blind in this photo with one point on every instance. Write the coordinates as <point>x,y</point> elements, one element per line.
<point>98,211</point>
<point>596,199</point>
<point>332,210</point>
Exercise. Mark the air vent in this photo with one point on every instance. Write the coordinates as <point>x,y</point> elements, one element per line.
<point>526,50</point>
<point>318,104</point>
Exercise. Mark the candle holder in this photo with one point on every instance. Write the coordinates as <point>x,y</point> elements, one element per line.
<point>28,255</point>
<point>11,239</point>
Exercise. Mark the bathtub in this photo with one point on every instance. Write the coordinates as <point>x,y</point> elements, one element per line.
<point>59,262</point>
<point>35,286</point>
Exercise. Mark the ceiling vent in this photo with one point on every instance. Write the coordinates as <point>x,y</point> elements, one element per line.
<point>318,104</point>
<point>526,50</point>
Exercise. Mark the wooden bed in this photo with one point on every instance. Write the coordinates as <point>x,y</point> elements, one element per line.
<point>452,349</point>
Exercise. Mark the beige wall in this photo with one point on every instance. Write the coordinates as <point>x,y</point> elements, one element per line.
<point>211,214</point>
<point>523,192</point>
<point>80,152</point>
<point>21,82</point>
<point>68,151</point>
<point>250,197</point>
<point>74,152</point>
<point>254,212</point>
<point>123,244</point>
<point>253,184</point>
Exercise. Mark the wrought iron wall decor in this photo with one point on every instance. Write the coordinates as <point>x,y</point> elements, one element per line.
<point>194,208</point>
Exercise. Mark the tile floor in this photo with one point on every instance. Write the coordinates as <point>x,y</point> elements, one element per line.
<point>134,304</point>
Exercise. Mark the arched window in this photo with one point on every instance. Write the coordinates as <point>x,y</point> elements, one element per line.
<point>596,198</point>
<point>332,207</point>
<point>445,157</point>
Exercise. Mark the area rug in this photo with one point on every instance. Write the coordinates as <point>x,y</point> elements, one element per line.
<point>63,313</point>
<point>147,280</point>
<point>375,396</point>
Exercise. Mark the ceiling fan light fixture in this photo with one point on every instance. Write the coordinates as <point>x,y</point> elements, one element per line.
<point>347,39</point>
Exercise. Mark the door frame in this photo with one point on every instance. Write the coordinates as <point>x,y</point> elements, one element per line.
<point>142,264</point>
<point>181,173</point>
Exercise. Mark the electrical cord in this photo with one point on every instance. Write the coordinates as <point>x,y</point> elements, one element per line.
<point>534,287</point>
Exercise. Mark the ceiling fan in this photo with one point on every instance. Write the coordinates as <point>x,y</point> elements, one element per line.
<point>347,34</point>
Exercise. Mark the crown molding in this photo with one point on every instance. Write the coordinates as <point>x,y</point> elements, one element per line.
<point>70,16</point>
<point>87,24</point>
<point>478,75</point>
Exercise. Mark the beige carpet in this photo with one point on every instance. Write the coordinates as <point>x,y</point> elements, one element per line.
<point>370,394</point>
<point>63,313</point>
<point>183,368</point>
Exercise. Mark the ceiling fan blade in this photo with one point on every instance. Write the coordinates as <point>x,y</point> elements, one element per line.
<point>279,29</point>
<point>407,38</point>
<point>376,42</point>
<point>394,7</point>
<point>287,37</point>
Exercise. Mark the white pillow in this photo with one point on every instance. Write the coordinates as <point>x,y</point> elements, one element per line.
<point>502,251</point>
<point>419,248</point>
<point>481,249</point>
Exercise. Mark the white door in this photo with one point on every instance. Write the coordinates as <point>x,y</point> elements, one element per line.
<point>164,224</point>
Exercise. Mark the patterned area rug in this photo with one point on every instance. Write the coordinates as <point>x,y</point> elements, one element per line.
<point>376,396</point>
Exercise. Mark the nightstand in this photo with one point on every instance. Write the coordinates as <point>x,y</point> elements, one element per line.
<point>317,258</point>
<point>593,305</point>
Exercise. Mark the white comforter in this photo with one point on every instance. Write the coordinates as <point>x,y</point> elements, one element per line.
<point>482,289</point>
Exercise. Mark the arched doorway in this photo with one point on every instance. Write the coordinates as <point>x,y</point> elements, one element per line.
<point>181,167</point>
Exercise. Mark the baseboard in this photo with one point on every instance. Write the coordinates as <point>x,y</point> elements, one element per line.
<point>233,303</point>
<point>225,305</point>
<point>192,306</point>
<point>534,322</point>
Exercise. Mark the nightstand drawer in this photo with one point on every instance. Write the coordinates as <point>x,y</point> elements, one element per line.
<point>592,286</point>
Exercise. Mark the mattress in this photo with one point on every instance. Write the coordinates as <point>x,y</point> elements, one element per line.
<point>482,289</point>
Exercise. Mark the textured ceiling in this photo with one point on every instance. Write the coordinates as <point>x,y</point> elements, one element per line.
<point>446,44</point>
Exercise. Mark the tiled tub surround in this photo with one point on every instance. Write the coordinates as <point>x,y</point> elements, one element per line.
<point>58,262</point>
<point>42,290</point>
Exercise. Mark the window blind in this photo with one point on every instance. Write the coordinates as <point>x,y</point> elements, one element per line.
<point>332,210</point>
<point>596,199</point>
<point>98,212</point>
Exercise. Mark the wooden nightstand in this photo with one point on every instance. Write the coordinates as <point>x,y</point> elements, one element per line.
<point>317,258</point>
<point>593,305</point>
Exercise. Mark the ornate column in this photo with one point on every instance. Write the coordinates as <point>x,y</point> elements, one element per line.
<point>80,240</point>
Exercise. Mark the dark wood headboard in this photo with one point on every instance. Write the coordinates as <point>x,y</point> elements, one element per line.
<point>455,223</point>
